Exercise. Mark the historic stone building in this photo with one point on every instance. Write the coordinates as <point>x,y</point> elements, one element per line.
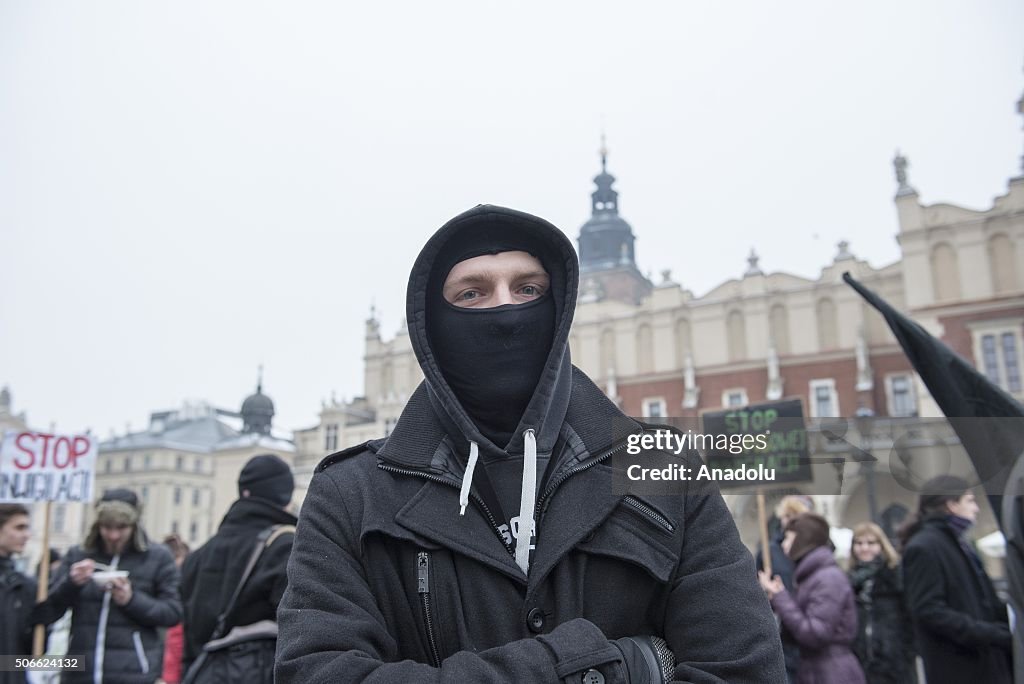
<point>661,351</point>
<point>185,465</point>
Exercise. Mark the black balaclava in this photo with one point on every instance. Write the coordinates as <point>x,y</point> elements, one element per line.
<point>491,358</point>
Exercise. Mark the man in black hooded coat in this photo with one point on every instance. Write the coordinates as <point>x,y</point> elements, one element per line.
<point>410,563</point>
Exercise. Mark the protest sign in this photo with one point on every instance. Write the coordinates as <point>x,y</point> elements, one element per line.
<point>785,437</point>
<point>37,466</point>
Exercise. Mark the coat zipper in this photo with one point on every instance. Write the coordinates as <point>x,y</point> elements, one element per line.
<point>650,513</point>
<point>101,630</point>
<point>423,587</point>
<point>869,629</point>
<point>140,652</point>
<point>475,497</point>
<point>554,484</point>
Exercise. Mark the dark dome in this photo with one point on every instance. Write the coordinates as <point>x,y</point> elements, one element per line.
<point>257,412</point>
<point>258,403</point>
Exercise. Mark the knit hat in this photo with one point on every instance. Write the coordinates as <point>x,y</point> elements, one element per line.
<point>269,478</point>
<point>811,532</point>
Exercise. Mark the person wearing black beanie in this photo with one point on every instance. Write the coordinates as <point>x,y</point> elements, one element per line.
<point>210,574</point>
<point>267,477</point>
<point>483,539</point>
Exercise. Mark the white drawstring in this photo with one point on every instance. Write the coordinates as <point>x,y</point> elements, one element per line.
<point>527,501</point>
<point>467,479</point>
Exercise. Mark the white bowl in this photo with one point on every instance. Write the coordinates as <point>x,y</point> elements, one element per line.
<point>104,577</point>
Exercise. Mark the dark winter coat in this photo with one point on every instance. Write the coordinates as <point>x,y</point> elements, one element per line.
<point>17,597</point>
<point>822,617</point>
<point>133,652</point>
<point>210,574</point>
<point>885,634</point>
<point>1013,527</point>
<point>960,623</point>
<point>389,583</point>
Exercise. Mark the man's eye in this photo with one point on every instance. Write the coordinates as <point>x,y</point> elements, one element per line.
<point>531,291</point>
<point>467,295</point>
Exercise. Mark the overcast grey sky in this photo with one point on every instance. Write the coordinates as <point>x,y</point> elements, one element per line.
<point>190,189</point>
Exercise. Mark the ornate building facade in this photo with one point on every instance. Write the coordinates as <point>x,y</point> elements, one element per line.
<point>185,465</point>
<point>660,351</point>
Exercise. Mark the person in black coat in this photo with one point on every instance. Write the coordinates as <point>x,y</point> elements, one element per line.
<point>961,625</point>
<point>885,633</point>
<point>211,573</point>
<point>483,540</point>
<point>115,620</point>
<point>1013,528</point>
<point>17,591</point>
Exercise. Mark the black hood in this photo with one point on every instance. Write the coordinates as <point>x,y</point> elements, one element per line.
<point>546,409</point>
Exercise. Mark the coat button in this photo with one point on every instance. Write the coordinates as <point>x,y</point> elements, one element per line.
<point>592,676</point>
<point>535,620</point>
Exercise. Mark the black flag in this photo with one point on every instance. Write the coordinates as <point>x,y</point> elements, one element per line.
<point>987,420</point>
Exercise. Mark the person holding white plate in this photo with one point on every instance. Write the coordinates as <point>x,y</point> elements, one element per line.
<point>121,589</point>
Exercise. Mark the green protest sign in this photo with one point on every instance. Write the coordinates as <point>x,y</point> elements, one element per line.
<point>777,443</point>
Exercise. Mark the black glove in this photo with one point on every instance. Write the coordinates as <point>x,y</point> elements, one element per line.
<point>648,659</point>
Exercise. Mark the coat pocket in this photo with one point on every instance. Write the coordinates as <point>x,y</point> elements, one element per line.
<point>648,512</point>
<point>639,534</point>
<point>140,652</point>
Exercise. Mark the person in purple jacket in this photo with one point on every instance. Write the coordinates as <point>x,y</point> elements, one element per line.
<point>820,613</point>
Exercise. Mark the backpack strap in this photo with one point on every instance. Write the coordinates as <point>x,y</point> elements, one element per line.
<point>263,542</point>
<point>277,531</point>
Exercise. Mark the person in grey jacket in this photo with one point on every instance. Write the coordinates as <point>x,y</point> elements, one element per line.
<point>115,620</point>
<point>482,540</point>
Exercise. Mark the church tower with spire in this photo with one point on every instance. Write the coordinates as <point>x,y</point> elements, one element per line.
<point>606,246</point>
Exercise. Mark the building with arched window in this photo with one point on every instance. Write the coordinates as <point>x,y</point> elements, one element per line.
<point>659,350</point>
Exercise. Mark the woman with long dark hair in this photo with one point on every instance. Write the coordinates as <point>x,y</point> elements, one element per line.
<point>885,639</point>
<point>960,623</point>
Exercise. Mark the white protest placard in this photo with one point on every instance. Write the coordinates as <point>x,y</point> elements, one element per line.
<point>37,466</point>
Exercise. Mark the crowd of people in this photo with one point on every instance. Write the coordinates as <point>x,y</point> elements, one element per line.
<point>483,539</point>
<point>141,612</point>
<point>867,624</point>
<point>871,623</point>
